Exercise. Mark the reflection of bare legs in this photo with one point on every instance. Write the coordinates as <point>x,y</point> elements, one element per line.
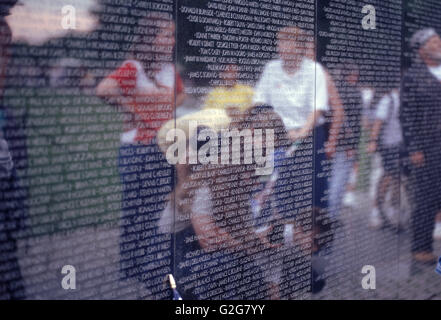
<point>382,190</point>
<point>377,217</point>
<point>437,230</point>
<point>388,183</point>
<point>392,211</point>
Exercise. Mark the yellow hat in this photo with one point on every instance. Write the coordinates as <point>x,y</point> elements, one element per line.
<point>216,119</point>
<point>213,115</point>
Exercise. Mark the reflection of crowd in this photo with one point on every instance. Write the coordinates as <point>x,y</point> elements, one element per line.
<point>225,231</point>
<point>225,217</point>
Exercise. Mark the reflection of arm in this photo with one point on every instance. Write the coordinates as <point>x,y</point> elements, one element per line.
<point>307,128</point>
<point>173,95</point>
<point>209,234</point>
<point>109,90</point>
<point>376,130</point>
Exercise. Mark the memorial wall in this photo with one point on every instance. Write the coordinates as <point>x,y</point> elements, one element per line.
<point>220,149</point>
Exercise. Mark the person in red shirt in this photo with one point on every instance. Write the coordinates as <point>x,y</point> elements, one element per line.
<point>147,91</point>
<point>146,88</point>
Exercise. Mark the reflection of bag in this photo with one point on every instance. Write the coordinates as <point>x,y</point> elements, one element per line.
<point>6,164</point>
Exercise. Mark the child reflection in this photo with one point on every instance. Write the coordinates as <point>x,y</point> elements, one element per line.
<point>217,247</point>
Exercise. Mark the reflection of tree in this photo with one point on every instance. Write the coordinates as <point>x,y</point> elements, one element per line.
<point>72,136</point>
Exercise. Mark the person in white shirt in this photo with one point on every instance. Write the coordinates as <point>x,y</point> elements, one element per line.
<point>297,88</point>
<point>294,85</point>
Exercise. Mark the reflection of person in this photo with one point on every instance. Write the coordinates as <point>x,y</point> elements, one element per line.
<point>275,219</point>
<point>386,137</point>
<point>347,77</point>
<point>147,92</point>
<point>223,105</point>
<point>421,123</point>
<point>12,193</point>
<point>437,229</point>
<point>294,85</point>
<point>298,89</point>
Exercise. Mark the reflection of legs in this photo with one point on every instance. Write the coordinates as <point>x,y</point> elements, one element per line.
<point>390,210</point>
<point>383,186</point>
<point>388,181</point>
<point>341,170</point>
<point>425,208</point>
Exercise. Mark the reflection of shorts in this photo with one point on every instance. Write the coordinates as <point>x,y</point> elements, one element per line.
<point>390,157</point>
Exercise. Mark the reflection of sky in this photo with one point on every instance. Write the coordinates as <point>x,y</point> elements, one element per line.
<point>36,21</point>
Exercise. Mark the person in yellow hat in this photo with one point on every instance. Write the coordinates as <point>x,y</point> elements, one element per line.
<point>230,96</point>
<point>224,104</point>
